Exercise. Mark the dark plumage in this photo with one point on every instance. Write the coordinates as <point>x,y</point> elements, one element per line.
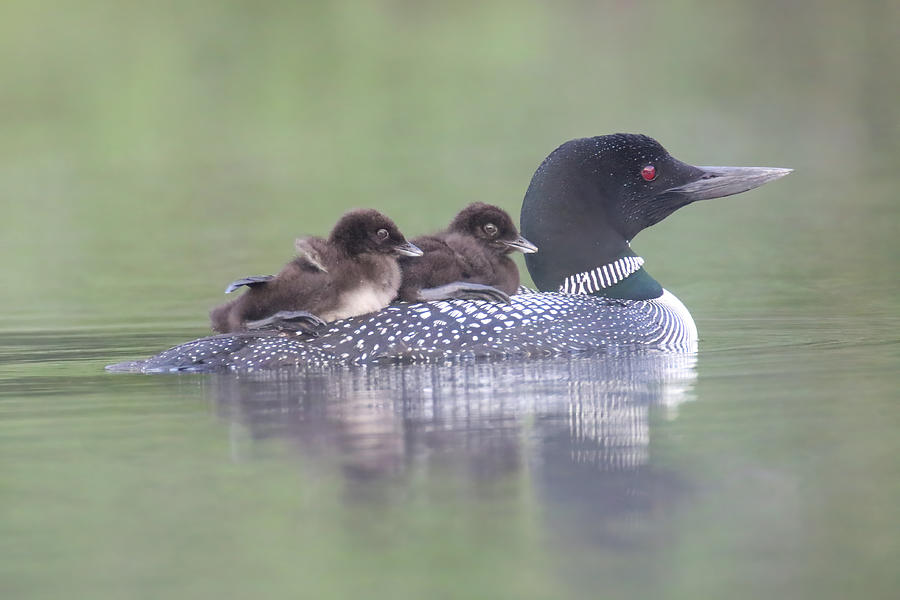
<point>473,250</point>
<point>353,272</point>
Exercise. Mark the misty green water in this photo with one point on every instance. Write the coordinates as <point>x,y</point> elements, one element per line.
<point>152,153</point>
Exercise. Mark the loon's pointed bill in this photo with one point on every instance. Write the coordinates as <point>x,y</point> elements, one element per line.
<point>408,249</point>
<point>522,245</point>
<point>718,182</point>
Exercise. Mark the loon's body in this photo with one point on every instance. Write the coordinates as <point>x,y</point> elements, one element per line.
<point>586,202</point>
<point>531,325</point>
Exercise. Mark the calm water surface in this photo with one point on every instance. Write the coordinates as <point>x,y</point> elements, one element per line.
<point>753,468</point>
<point>153,152</point>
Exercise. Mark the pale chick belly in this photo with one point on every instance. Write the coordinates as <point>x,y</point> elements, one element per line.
<point>359,302</point>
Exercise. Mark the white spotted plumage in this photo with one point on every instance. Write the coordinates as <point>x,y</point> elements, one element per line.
<point>533,324</point>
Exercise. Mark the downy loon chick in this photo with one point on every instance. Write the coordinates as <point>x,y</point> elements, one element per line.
<point>354,272</point>
<point>474,249</point>
<point>586,202</point>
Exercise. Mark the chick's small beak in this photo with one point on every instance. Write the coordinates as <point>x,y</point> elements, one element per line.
<point>522,245</point>
<point>408,249</point>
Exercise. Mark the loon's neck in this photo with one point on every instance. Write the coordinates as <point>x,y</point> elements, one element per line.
<point>624,278</point>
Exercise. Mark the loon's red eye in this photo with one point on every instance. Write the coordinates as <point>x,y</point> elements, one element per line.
<point>648,173</point>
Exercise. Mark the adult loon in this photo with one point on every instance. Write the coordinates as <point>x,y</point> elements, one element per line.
<point>586,202</point>
<point>473,249</point>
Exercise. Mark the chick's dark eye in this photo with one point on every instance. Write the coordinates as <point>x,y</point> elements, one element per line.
<point>490,229</point>
<point>648,173</point>
<point>382,234</point>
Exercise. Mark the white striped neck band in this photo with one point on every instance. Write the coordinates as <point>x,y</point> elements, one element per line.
<point>608,275</point>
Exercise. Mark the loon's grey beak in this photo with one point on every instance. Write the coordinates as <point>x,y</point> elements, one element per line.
<point>408,249</point>
<point>718,182</point>
<point>522,245</point>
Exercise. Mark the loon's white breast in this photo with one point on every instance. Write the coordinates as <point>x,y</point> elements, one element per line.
<point>682,333</point>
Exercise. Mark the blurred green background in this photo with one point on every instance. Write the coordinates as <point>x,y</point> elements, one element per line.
<point>151,152</point>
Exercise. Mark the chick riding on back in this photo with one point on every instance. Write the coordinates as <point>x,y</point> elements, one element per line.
<point>468,260</point>
<point>353,272</point>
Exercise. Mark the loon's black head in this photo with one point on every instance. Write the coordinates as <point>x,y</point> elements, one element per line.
<point>367,230</point>
<point>591,196</point>
<point>491,226</point>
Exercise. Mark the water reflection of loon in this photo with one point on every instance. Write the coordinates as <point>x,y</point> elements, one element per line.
<point>490,418</point>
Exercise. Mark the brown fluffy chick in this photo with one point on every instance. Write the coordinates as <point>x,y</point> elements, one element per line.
<point>467,260</point>
<point>354,272</point>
